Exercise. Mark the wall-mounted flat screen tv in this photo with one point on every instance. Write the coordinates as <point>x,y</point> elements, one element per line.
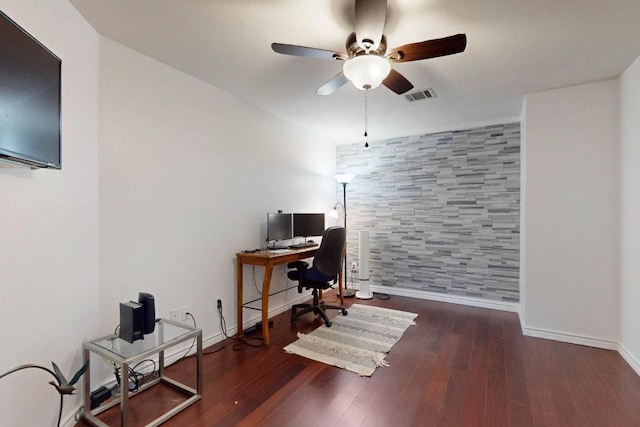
<point>30,87</point>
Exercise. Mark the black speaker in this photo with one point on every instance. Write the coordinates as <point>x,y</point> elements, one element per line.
<point>131,319</point>
<point>149,317</point>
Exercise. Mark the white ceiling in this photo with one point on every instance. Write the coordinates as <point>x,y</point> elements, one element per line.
<point>514,47</point>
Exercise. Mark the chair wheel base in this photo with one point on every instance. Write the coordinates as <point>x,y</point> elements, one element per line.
<point>318,308</point>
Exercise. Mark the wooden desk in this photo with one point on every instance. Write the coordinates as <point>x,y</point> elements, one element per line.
<point>268,259</point>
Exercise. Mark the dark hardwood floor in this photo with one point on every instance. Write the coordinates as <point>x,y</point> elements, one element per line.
<point>459,366</point>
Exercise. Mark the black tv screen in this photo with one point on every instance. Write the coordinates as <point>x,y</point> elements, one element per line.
<point>30,87</point>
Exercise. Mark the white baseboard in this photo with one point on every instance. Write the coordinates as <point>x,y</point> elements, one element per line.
<point>569,338</point>
<point>583,340</point>
<point>448,298</point>
<point>629,358</point>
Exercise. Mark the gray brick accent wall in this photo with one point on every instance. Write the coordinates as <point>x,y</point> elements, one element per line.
<point>442,210</point>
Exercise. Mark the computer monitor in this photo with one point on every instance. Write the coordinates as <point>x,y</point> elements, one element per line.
<point>308,224</point>
<point>279,226</point>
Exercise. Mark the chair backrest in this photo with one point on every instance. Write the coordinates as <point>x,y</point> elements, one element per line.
<point>329,256</point>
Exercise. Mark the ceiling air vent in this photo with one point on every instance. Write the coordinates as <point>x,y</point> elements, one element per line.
<point>422,94</point>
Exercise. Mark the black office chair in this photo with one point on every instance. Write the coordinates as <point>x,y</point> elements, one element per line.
<point>327,263</point>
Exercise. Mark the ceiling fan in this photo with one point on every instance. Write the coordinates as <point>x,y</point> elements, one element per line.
<point>367,65</point>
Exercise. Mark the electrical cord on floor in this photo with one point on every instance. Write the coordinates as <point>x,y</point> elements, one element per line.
<point>241,343</point>
<point>77,416</point>
<point>132,378</point>
<point>224,341</point>
<point>381,296</point>
<point>153,371</point>
<point>135,377</point>
<point>255,282</point>
<point>192,342</point>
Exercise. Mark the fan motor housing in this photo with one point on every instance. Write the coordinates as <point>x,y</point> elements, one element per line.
<point>354,49</point>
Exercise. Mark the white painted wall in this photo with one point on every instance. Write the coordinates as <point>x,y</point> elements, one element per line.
<point>187,176</point>
<point>572,214</point>
<point>49,230</point>
<point>630,214</point>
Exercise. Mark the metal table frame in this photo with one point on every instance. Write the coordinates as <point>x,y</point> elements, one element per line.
<point>126,362</point>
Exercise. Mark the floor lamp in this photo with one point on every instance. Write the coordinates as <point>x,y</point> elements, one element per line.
<point>344,179</point>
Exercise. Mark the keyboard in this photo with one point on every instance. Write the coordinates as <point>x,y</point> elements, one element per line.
<point>279,251</point>
<point>302,245</point>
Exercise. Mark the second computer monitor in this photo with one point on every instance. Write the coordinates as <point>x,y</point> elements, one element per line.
<point>308,224</point>
<point>278,226</point>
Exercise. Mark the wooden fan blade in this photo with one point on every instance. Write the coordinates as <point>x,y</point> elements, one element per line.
<point>335,83</point>
<point>370,17</point>
<point>429,49</point>
<point>307,52</point>
<point>397,82</point>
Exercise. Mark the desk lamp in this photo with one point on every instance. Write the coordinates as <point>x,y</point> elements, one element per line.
<point>344,179</point>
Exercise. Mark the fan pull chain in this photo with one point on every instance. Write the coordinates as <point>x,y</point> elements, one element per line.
<point>366,142</point>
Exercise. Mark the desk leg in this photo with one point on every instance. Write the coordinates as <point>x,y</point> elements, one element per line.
<point>239,297</point>
<point>266,283</point>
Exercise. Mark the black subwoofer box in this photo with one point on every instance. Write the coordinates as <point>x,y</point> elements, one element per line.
<point>131,321</point>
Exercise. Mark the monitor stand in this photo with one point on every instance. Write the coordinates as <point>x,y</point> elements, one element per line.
<point>275,247</point>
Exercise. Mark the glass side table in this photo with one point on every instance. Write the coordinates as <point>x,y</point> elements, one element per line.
<point>125,354</point>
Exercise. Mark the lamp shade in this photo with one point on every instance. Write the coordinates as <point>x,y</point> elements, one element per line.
<point>366,71</point>
<point>333,213</point>
<point>344,178</point>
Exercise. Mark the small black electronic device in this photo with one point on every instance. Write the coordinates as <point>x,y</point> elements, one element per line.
<point>131,321</point>
<point>149,312</point>
<point>99,396</point>
<point>256,327</point>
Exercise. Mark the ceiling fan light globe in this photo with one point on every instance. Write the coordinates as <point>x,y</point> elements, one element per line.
<point>366,71</point>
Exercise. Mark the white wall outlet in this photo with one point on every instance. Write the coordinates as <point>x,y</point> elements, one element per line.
<point>176,316</point>
<point>354,266</point>
<point>186,309</point>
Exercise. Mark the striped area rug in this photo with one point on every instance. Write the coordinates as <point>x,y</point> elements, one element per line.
<point>358,341</point>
